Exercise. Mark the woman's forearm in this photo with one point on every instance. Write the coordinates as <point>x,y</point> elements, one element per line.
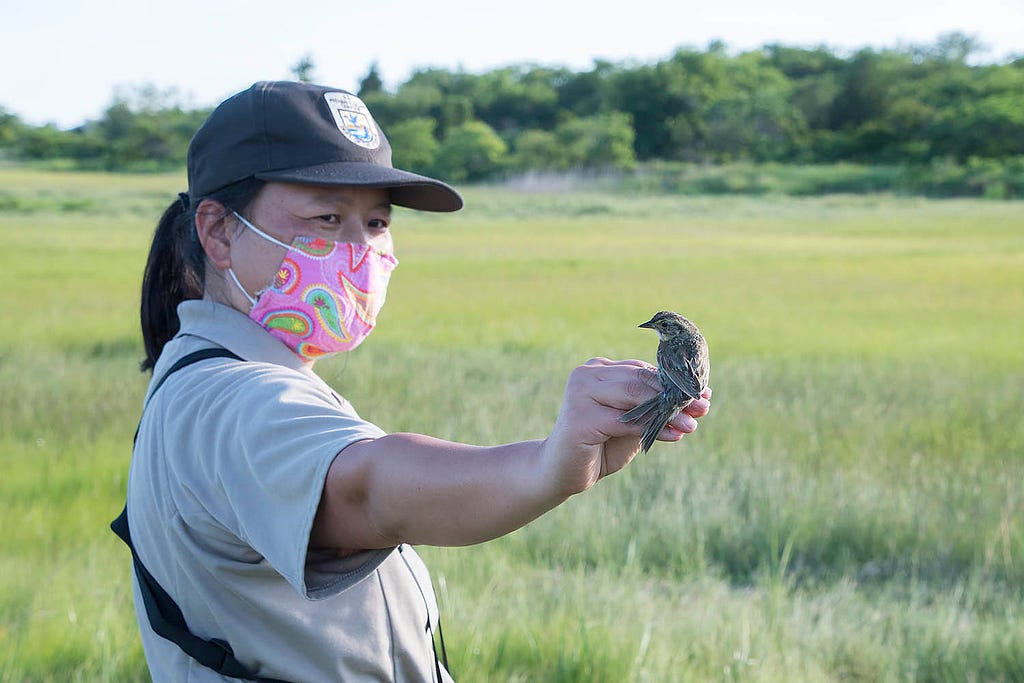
<point>417,489</point>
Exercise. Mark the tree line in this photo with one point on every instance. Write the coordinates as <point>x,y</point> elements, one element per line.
<point>901,105</point>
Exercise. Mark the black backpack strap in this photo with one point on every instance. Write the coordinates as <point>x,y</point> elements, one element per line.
<point>165,617</point>
<point>168,622</point>
<point>184,362</point>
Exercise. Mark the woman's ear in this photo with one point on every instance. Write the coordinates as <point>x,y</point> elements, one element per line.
<point>213,226</point>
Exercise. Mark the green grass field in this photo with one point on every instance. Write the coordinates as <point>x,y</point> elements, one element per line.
<point>851,510</point>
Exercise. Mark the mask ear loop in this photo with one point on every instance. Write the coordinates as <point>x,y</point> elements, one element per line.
<point>238,284</point>
<point>260,232</point>
<point>252,301</point>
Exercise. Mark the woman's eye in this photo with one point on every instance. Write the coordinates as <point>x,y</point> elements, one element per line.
<point>331,218</point>
<point>378,224</point>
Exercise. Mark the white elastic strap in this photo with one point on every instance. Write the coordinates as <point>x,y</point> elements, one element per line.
<point>240,287</point>
<point>260,232</point>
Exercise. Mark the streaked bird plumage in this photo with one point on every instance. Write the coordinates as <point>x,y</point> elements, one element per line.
<point>683,370</point>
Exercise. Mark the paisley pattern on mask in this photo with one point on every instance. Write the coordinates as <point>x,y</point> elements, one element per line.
<point>325,304</point>
<point>310,352</point>
<point>358,252</point>
<point>295,323</point>
<point>315,246</point>
<point>363,301</point>
<point>288,276</point>
<point>325,297</point>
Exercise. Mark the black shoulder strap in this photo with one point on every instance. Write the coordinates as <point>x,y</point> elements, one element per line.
<point>165,616</point>
<point>189,359</point>
<point>184,362</point>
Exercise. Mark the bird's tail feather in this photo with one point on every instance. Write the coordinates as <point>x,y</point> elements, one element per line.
<point>641,411</point>
<point>655,425</point>
<point>656,413</point>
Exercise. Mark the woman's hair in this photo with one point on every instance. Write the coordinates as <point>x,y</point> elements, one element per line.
<point>176,267</point>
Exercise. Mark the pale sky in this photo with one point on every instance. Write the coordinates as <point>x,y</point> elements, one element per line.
<point>62,59</point>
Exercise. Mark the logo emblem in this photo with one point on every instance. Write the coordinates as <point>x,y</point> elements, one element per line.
<point>353,119</point>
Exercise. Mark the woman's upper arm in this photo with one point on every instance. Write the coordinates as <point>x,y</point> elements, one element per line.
<point>343,521</point>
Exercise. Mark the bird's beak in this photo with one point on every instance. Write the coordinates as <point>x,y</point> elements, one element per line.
<point>649,324</point>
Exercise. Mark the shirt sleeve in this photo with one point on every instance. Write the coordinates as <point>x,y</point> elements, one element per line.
<point>258,441</point>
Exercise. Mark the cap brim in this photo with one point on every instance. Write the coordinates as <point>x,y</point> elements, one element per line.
<point>407,189</point>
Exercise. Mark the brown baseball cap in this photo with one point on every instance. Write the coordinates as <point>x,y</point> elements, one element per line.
<point>304,133</point>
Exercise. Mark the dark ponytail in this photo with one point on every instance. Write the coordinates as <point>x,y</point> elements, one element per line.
<point>176,267</point>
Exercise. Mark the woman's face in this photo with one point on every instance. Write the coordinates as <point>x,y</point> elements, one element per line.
<point>288,210</point>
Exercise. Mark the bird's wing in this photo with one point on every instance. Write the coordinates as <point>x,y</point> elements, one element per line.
<point>685,379</point>
<point>702,369</point>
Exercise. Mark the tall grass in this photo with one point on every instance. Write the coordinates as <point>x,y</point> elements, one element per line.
<point>851,509</point>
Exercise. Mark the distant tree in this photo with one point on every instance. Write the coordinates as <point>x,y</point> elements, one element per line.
<point>517,97</point>
<point>470,152</point>
<point>413,144</point>
<point>455,111</point>
<point>814,76</point>
<point>43,142</point>
<point>371,82</point>
<point>751,114</point>
<point>116,121</point>
<point>422,98</point>
<point>955,47</point>
<point>869,82</point>
<point>407,103</point>
<point>586,93</point>
<point>538,150</point>
<point>602,141</point>
<point>11,128</point>
<point>992,126</point>
<point>302,70</point>
<point>645,93</point>
<point>143,127</point>
<point>798,63</point>
<point>148,97</point>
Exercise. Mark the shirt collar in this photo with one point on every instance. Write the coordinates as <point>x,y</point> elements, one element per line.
<point>236,332</point>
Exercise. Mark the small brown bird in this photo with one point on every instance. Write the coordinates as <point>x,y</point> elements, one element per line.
<point>683,369</point>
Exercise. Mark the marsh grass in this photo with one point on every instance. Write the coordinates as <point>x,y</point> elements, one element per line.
<point>851,510</point>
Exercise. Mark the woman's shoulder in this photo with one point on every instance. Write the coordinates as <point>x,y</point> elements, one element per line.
<point>218,372</point>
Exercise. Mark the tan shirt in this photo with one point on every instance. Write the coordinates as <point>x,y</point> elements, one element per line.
<point>224,485</point>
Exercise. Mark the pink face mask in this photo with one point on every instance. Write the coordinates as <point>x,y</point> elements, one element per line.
<point>325,297</point>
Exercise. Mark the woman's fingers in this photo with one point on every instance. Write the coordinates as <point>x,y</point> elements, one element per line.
<point>699,408</point>
<point>623,386</point>
<point>604,389</point>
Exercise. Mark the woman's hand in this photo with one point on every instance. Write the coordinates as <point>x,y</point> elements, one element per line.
<point>588,441</point>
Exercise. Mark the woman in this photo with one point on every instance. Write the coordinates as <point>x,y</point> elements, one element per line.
<point>261,506</point>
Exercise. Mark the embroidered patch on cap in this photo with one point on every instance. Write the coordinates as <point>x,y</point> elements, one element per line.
<point>353,119</point>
